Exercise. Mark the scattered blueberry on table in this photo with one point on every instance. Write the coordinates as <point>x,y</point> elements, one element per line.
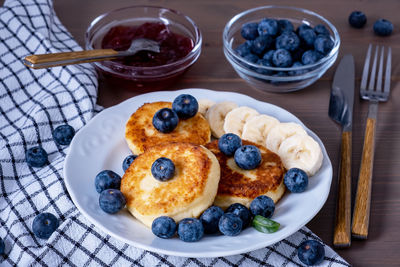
<point>128,161</point>
<point>210,218</point>
<point>242,211</point>
<point>248,157</point>
<point>165,120</point>
<point>190,230</point>
<point>383,27</point>
<point>296,180</point>
<point>229,143</point>
<point>36,157</point>
<point>185,106</point>
<point>357,19</point>
<point>163,169</point>
<point>311,252</point>
<point>111,200</point>
<point>44,225</point>
<point>107,179</point>
<point>230,224</point>
<point>164,227</point>
<point>262,205</point>
<point>63,134</point>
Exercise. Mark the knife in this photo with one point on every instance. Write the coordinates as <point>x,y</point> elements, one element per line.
<point>341,110</point>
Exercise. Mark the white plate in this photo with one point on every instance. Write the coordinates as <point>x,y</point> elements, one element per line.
<point>101,145</point>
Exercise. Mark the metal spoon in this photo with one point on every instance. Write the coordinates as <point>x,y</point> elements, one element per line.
<point>68,58</point>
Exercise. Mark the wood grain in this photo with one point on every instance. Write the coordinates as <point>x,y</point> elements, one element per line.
<point>363,197</point>
<point>341,234</point>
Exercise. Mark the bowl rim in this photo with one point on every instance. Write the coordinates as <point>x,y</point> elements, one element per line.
<point>195,52</point>
<point>318,64</point>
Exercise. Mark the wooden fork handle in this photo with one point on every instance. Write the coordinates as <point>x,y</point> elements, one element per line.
<point>67,58</point>
<point>341,235</point>
<point>361,211</point>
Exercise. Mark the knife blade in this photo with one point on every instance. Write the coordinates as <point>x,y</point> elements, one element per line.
<point>341,111</point>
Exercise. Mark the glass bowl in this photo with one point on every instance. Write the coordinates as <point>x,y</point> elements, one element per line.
<point>282,79</point>
<point>143,77</point>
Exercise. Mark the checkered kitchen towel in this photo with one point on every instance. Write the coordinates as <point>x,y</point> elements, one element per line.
<point>32,104</point>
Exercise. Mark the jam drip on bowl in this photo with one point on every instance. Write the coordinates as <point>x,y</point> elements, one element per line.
<point>173,46</point>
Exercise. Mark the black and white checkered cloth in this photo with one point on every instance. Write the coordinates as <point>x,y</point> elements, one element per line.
<point>32,104</point>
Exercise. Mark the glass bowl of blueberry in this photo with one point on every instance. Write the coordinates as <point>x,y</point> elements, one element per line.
<point>178,36</point>
<point>280,49</point>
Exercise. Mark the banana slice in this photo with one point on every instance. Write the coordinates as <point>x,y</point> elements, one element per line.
<point>301,151</point>
<point>236,118</point>
<point>281,132</point>
<point>204,105</point>
<point>257,128</point>
<point>216,116</point>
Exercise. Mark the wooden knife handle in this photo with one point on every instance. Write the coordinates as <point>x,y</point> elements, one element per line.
<point>363,197</point>
<point>66,58</point>
<point>341,236</point>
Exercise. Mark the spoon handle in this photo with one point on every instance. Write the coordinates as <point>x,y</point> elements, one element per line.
<point>68,58</point>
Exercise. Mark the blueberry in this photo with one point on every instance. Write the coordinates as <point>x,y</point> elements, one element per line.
<point>185,106</point>
<point>323,44</point>
<point>282,58</point>
<point>190,230</point>
<point>242,211</point>
<point>320,29</point>
<point>296,180</point>
<point>2,246</point>
<point>163,169</point>
<point>285,26</point>
<point>297,72</point>
<point>248,157</point>
<point>163,227</point>
<point>111,200</point>
<point>210,219</point>
<point>230,224</point>
<point>249,31</point>
<point>357,19</point>
<point>302,27</point>
<point>261,43</point>
<point>228,143</point>
<point>268,27</point>
<point>311,252</point>
<point>44,225</point>
<point>243,49</point>
<point>262,205</point>
<point>268,55</point>
<point>266,63</point>
<point>279,74</point>
<point>63,134</point>
<point>251,57</point>
<point>297,54</point>
<point>288,41</point>
<point>36,157</point>
<point>383,27</point>
<point>128,161</point>
<point>308,36</point>
<point>165,120</point>
<point>107,179</point>
<point>310,57</point>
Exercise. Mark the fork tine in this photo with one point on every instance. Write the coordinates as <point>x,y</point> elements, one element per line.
<point>388,71</point>
<point>380,71</point>
<point>366,68</point>
<point>373,71</point>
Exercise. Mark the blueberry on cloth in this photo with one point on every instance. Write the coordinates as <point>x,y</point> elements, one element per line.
<point>297,72</point>
<point>36,157</point>
<point>248,157</point>
<point>268,27</point>
<point>323,44</point>
<point>296,180</point>
<point>268,55</point>
<point>243,49</point>
<point>261,43</point>
<point>383,27</point>
<point>242,211</point>
<point>311,252</point>
<point>163,169</point>
<point>107,180</point>
<point>285,26</point>
<point>357,19</point>
<point>165,120</point>
<point>185,106</point>
<point>282,58</point>
<point>111,200</point>
<point>44,225</point>
<point>266,63</point>
<point>287,40</point>
<point>163,227</point>
<point>308,37</point>
<point>63,134</point>
<point>262,205</point>
<point>2,246</point>
<point>230,224</point>
<point>128,161</point>
<point>190,230</point>
<point>320,29</point>
<point>210,218</point>
<point>229,143</point>
<point>249,31</point>
<point>310,57</point>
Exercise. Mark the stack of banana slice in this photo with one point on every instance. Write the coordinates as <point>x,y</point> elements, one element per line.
<point>288,139</point>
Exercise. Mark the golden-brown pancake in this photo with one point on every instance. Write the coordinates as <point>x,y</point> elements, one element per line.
<point>242,186</point>
<point>140,133</point>
<point>187,194</point>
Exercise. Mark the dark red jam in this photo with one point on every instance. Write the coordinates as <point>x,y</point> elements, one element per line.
<point>172,45</point>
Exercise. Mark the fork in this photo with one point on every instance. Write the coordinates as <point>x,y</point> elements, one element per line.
<point>374,94</point>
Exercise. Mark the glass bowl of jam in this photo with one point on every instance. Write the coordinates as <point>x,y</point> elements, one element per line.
<point>179,38</point>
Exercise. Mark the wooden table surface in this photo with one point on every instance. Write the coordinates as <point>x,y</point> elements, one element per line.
<point>311,105</point>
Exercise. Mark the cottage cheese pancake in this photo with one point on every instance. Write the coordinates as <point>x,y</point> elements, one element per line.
<point>242,186</point>
<point>191,190</point>
<point>140,133</point>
